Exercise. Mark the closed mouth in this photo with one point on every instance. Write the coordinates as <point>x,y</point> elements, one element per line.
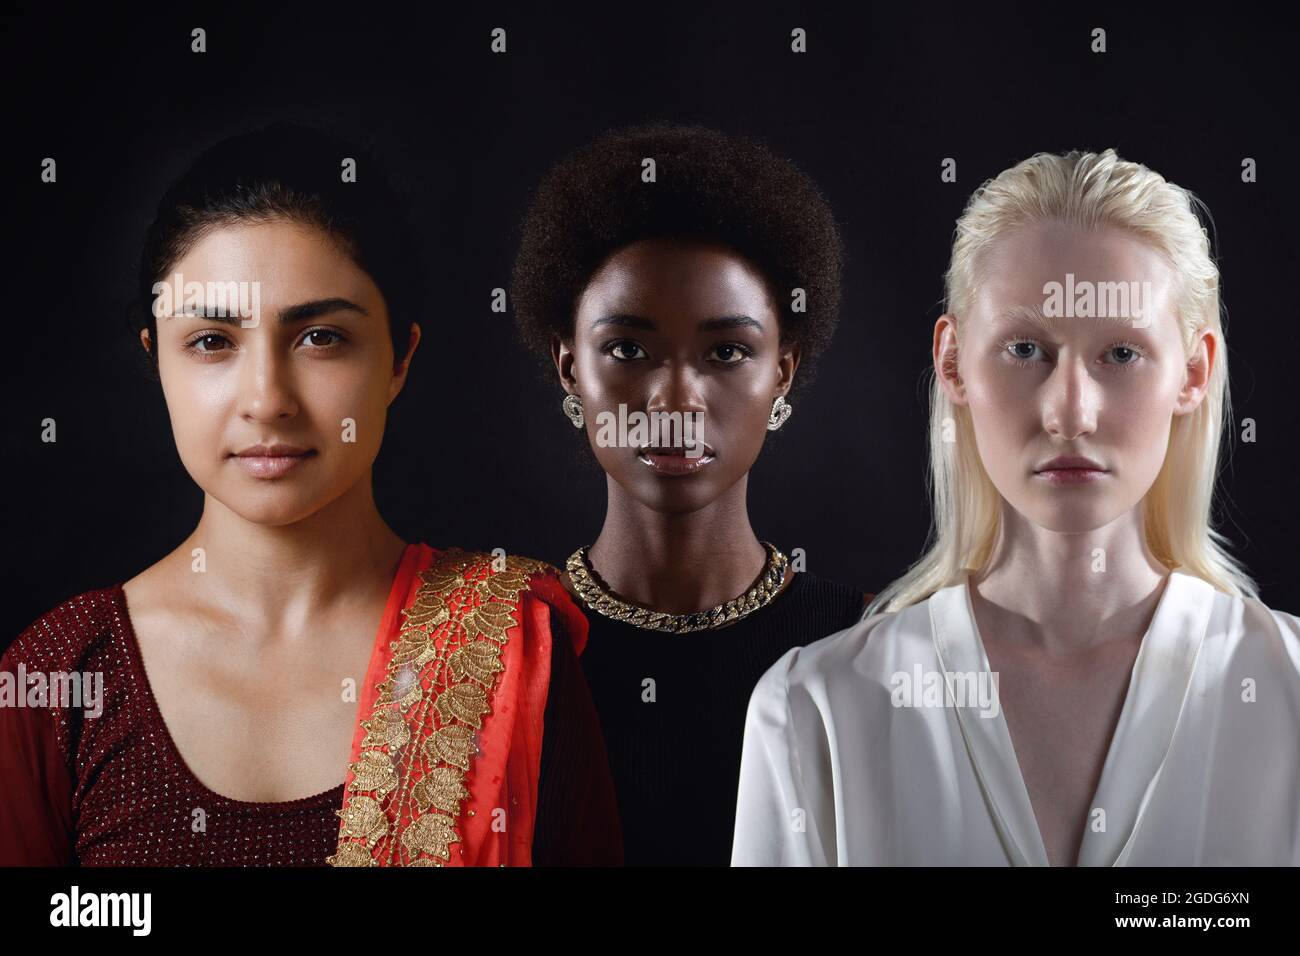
<point>273,461</point>
<point>275,450</point>
<point>1069,463</point>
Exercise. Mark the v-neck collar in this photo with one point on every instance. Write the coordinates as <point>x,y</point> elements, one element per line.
<point>1157,689</point>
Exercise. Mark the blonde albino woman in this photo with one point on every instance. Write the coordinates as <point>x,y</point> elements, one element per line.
<point>1146,706</point>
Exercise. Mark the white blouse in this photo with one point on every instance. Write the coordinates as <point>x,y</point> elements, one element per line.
<point>844,765</point>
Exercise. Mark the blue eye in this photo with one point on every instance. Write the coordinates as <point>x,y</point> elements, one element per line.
<point>1015,349</point>
<point>1026,352</point>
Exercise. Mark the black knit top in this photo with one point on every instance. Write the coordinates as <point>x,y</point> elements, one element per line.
<point>672,707</point>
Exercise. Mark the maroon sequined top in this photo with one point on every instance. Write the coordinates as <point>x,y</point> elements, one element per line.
<point>113,790</point>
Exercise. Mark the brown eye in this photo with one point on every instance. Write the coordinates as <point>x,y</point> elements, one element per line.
<point>209,343</point>
<point>322,338</point>
<point>625,350</point>
<point>729,353</point>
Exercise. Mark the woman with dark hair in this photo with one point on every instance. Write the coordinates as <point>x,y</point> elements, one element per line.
<point>677,278</point>
<point>294,640</point>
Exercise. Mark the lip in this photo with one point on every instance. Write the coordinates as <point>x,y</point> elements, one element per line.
<point>1070,470</point>
<point>674,462</point>
<point>271,461</point>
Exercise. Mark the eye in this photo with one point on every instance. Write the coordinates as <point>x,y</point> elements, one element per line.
<point>1022,350</point>
<point>321,338</point>
<point>625,350</point>
<point>207,343</point>
<point>730,353</point>
<point>1124,354</point>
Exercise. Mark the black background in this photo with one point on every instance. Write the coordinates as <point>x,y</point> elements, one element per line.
<point>478,453</point>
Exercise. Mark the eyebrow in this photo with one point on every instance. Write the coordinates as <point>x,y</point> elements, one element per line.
<point>290,315</point>
<point>625,320</point>
<point>1034,315</point>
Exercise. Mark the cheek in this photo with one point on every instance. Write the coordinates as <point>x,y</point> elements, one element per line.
<point>739,404</point>
<point>603,387</point>
<point>998,385</point>
<point>196,399</point>
<point>601,383</point>
<point>345,401</point>
<point>750,404</point>
<point>1137,417</point>
<point>1003,403</point>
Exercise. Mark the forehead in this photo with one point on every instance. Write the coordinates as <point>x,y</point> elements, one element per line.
<point>290,262</point>
<point>662,278</point>
<point>1022,268</point>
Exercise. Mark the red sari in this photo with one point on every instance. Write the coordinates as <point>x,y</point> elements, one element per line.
<point>446,756</point>
<point>112,789</point>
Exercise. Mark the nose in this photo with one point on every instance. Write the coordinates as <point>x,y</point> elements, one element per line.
<point>266,391</point>
<point>675,387</point>
<point>1071,399</point>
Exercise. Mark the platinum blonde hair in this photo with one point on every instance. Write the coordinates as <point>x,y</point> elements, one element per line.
<point>1090,190</point>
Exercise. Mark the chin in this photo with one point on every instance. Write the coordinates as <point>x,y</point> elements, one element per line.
<point>673,496</point>
<point>273,507</point>
<point>1078,519</point>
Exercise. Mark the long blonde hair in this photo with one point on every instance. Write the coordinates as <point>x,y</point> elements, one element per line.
<point>1089,190</point>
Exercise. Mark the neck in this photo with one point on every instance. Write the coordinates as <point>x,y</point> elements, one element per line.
<point>282,577</point>
<point>1069,591</point>
<point>678,563</point>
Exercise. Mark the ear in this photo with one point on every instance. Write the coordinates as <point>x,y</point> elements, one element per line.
<point>399,373</point>
<point>145,341</point>
<point>945,355</point>
<point>1200,367</point>
<point>787,365</point>
<point>562,356</point>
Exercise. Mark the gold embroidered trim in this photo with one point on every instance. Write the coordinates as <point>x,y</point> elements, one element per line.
<point>421,735</point>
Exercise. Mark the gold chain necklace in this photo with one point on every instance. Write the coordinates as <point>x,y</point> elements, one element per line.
<point>605,602</point>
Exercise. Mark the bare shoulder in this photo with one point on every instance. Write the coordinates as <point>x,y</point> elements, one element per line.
<point>160,599</point>
<point>156,583</point>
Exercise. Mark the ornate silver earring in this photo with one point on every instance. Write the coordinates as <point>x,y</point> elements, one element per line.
<point>572,406</point>
<point>781,410</point>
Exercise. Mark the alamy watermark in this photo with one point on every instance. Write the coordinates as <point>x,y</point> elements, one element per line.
<point>639,429</point>
<point>923,688</point>
<point>75,908</point>
<point>229,299</point>
<point>64,689</point>
<point>1100,300</point>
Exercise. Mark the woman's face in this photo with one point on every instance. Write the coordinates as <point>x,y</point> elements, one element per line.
<point>1072,413</point>
<point>677,326</point>
<point>280,418</point>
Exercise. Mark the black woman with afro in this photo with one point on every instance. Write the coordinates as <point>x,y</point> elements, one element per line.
<point>677,279</point>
